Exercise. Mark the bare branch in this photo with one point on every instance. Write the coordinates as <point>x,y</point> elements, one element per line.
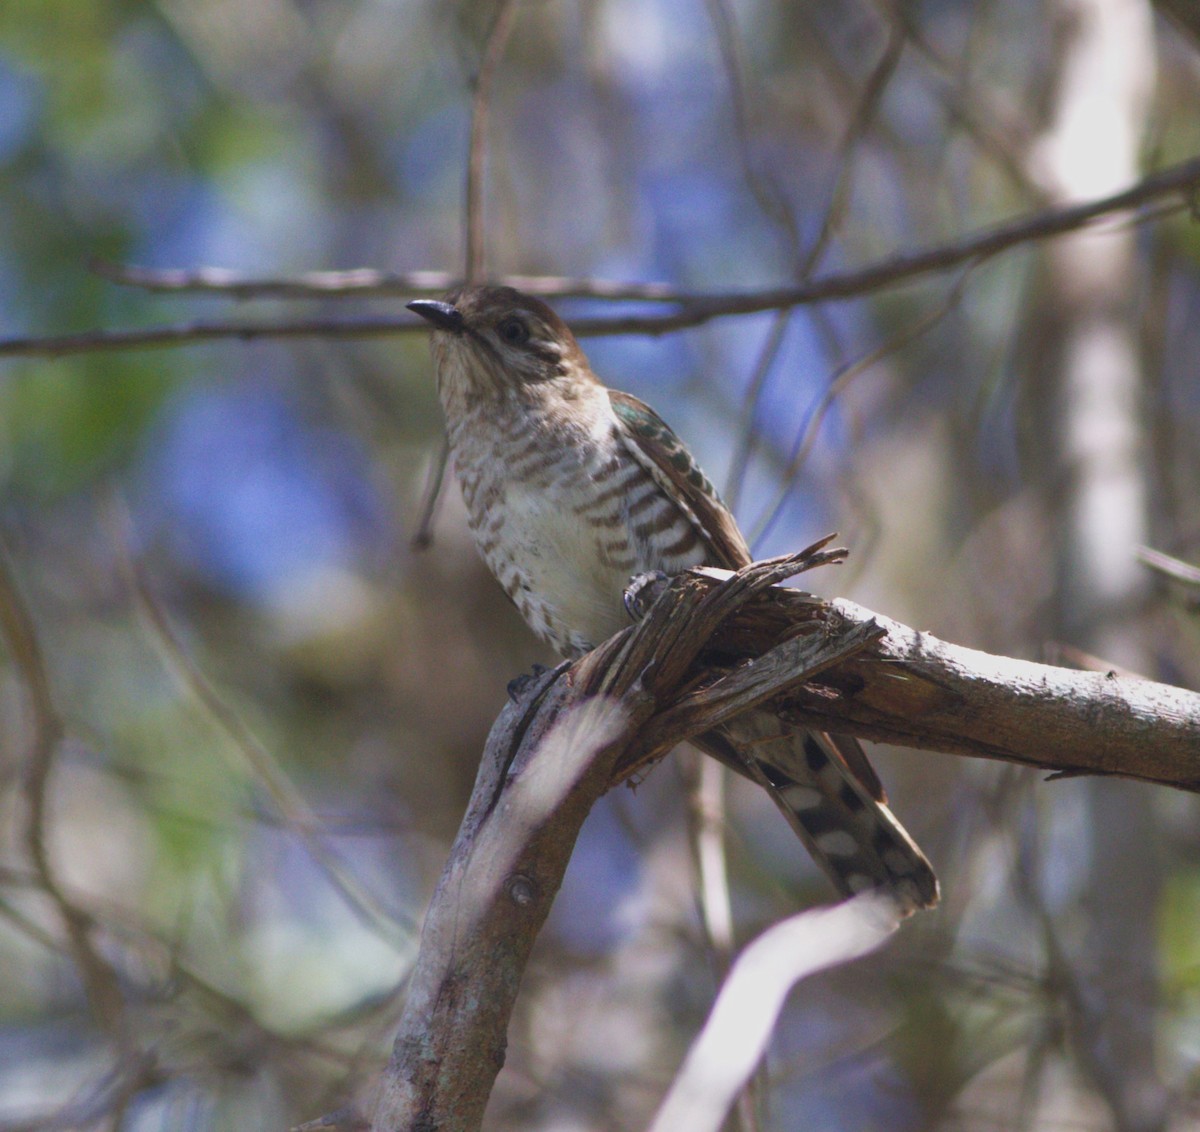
<point>1041,225</point>
<point>363,282</point>
<point>1169,566</point>
<point>997,132</point>
<point>710,645</point>
<point>764,187</point>
<point>694,309</point>
<point>921,692</point>
<point>706,831</point>
<point>473,202</point>
<point>431,496</point>
<point>837,385</point>
<point>751,435</point>
<point>548,759</point>
<point>481,96</point>
<point>912,689</point>
<point>860,121</point>
<point>183,334</point>
<point>740,1023</point>
<point>46,732</point>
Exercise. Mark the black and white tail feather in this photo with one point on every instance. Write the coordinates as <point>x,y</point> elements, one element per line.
<point>843,821</point>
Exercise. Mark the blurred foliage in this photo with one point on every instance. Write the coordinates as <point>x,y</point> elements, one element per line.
<point>268,492</point>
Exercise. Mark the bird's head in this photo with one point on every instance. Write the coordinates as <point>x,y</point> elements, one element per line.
<point>491,342</point>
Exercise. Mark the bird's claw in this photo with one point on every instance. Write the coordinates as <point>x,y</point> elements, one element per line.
<point>642,592</point>
<point>518,684</point>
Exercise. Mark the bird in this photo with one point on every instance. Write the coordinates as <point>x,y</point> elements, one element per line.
<point>571,488</point>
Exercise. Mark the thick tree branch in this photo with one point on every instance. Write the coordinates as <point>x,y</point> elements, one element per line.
<point>710,645</point>
<point>912,689</point>
<point>549,757</point>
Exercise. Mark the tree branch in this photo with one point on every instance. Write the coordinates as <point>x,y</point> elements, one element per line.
<point>100,979</point>
<point>710,645</point>
<point>739,1027</point>
<point>549,757</point>
<point>693,309</point>
<point>1041,225</point>
<point>481,100</point>
<point>1168,566</point>
<point>912,689</point>
<point>361,282</point>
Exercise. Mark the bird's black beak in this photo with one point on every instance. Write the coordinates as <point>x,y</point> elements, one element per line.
<point>442,315</point>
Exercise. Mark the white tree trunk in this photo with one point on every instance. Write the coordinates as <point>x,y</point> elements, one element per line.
<point>1092,147</point>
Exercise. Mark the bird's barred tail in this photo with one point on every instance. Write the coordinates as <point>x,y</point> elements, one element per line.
<point>842,819</point>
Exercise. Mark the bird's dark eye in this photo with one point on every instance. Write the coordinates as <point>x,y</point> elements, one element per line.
<point>513,331</point>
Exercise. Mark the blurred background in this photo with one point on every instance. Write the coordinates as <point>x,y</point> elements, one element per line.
<point>240,714</point>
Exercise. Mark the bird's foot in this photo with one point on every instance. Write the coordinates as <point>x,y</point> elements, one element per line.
<point>518,684</point>
<point>642,592</point>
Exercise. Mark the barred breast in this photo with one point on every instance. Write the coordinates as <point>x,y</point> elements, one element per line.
<point>563,515</point>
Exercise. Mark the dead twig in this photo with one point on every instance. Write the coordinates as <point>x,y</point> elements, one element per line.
<point>481,98</point>
<point>693,309</point>
<point>46,730</point>
<point>362,282</point>
<point>431,497</point>
<point>833,390</point>
<point>1169,566</point>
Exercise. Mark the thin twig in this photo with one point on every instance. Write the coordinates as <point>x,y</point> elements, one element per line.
<point>362,282</point>
<point>707,811</point>
<point>833,390</point>
<point>750,435</point>
<point>694,309</point>
<point>774,204</point>
<point>423,537</point>
<point>100,980</point>
<point>765,188</point>
<point>839,198</point>
<point>995,130</point>
<point>481,99</point>
<point>860,122</point>
<point>706,829</point>
<point>188,333</point>
<point>481,96</point>
<point>1183,178</point>
<point>1169,566</point>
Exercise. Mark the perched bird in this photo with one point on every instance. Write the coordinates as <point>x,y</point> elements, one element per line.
<point>572,488</point>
